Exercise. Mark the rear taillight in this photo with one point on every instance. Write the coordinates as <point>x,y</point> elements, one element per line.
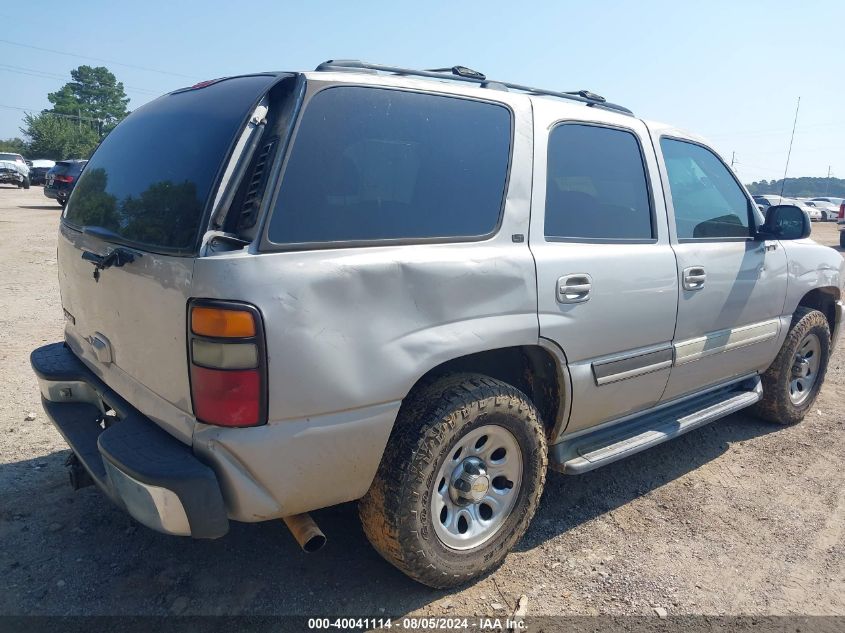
<point>61,178</point>
<point>228,363</point>
<point>842,211</point>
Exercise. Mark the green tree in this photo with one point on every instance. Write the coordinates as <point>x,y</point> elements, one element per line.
<point>58,137</point>
<point>94,93</point>
<point>15,145</point>
<point>803,186</point>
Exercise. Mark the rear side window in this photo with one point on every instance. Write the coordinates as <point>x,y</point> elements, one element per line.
<point>376,164</point>
<point>150,178</point>
<point>708,201</point>
<point>596,185</point>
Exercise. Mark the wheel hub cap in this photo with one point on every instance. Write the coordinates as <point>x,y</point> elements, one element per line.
<point>805,369</point>
<point>469,483</point>
<point>476,487</point>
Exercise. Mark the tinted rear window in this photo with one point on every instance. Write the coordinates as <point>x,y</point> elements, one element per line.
<point>374,164</point>
<point>149,180</point>
<point>63,167</point>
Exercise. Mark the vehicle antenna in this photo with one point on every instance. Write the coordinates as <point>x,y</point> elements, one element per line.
<point>789,153</point>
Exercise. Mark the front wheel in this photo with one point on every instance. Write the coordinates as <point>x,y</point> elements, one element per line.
<point>459,481</point>
<point>842,239</point>
<point>26,183</point>
<point>792,382</point>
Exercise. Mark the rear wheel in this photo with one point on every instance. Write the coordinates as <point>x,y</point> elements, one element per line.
<point>791,384</point>
<point>842,239</point>
<point>459,482</point>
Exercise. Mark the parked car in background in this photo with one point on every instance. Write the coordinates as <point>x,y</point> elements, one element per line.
<point>13,173</point>
<point>769,200</point>
<point>38,171</point>
<point>829,210</point>
<point>815,213</point>
<point>16,158</point>
<point>766,201</point>
<point>831,199</point>
<point>62,178</point>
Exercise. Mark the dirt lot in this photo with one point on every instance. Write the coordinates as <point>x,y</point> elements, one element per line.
<point>736,518</point>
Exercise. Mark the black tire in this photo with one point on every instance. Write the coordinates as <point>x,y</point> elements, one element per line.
<point>395,511</point>
<point>776,405</point>
<point>842,239</point>
<point>26,183</point>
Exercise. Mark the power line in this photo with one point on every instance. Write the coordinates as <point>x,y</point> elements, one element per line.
<point>67,116</point>
<point>24,70</point>
<point>47,75</point>
<point>99,59</point>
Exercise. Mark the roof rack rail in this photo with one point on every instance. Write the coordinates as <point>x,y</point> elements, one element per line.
<point>462,73</point>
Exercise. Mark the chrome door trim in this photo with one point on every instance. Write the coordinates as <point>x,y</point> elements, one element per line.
<point>725,340</point>
<point>632,365</point>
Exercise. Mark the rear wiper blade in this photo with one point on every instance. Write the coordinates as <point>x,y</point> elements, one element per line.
<point>102,232</point>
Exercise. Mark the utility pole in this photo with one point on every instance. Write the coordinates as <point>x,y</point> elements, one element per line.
<point>733,159</point>
<point>827,186</point>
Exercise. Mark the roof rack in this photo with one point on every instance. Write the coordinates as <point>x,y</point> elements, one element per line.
<point>462,73</point>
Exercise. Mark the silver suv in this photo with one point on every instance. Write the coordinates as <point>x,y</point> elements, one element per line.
<point>416,289</point>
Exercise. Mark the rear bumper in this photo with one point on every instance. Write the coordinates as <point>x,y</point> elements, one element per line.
<point>51,193</point>
<point>156,478</point>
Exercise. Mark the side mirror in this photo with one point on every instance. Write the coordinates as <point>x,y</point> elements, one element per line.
<point>785,222</point>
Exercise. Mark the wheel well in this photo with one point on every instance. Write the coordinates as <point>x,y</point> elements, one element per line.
<point>529,368</point>
<point>823,300</point>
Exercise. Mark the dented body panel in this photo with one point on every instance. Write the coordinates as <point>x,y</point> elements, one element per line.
<point>350,331</point>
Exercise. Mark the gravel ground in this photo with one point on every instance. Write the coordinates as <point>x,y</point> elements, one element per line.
<point>735,518</point>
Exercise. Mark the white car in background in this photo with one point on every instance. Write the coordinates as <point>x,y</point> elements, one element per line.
<point>765,201</point>
<point>815,213</point>
<point>829,210</point>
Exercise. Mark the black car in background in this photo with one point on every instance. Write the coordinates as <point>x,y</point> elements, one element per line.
<point>62,178</point>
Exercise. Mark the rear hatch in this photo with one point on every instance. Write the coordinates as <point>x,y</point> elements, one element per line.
<point>147,190</point>
<point>63,174</point>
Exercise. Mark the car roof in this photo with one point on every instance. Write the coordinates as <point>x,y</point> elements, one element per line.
<point>444,81</point>
<point>446,85</point>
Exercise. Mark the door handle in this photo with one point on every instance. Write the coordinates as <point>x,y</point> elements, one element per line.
<point>574,288</point>
<point>694,278</point>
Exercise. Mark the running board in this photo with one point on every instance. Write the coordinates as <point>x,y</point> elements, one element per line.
<point>609,444</point>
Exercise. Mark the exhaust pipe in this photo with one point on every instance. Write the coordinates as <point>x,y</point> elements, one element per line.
<point>306,532</point>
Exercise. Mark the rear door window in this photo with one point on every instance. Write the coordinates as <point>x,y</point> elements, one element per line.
<point>150,178</point>
<point>596,187</point>
<point>708,201</point>
<point>377,164</point>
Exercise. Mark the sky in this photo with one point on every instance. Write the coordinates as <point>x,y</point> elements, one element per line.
<point>729,71</point>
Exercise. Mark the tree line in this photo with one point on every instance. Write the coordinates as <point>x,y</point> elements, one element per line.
<point>803,187</point>
<point>83,111</point>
